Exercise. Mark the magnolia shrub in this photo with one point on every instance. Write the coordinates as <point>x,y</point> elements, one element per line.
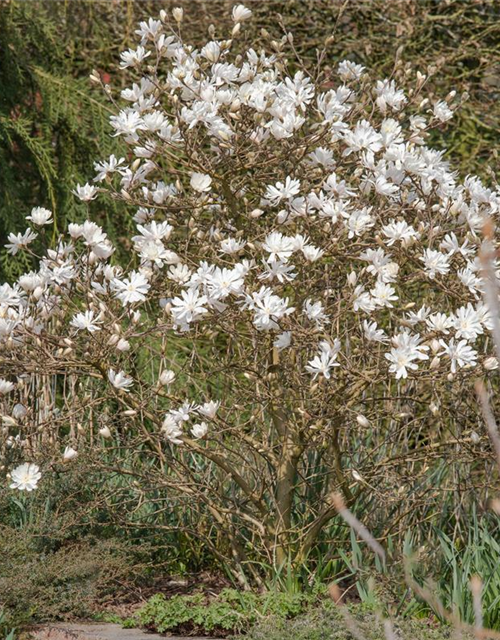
<point>301,310</point>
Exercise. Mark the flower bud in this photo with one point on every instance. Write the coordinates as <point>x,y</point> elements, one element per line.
<point>105,433</point>
<point>123,345</point>
<point>362,420</point>
<point>490,363</point>
<point>69,454</point>
<point>435,362</point>
<point>167,377</point>
<point>434,408</point>
<point>178,14</point>
<point>235,105</point>
<point>19,411</point>
<point>435,346</point>
<point>352,278</point>
<point>199,430</point>
<point>356,475</point>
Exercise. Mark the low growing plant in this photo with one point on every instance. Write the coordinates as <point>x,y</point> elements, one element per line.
<point>331,623</point>
<point>230,610</point>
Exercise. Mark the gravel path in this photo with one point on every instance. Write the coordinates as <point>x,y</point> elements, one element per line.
<point>90,631</point>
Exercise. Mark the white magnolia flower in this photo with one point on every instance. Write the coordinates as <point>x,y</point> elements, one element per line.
<point>315,312</point>
<point>467,322</point>
<point>283,340</point>
<point>399,230</point>
<point>460,353</point>
<point>439,322</point>
<point>120,380</point>
<point>189,307</point>
<point>171,429</point>
<point>268,309</point>
<point>86,193</point>
<point>406,351</point>
<point>389,96</point>
<point>231,246</point>
<point>490,364</point>
<point>123,345</point>
<point>383,295</point>
<point>325,360</point>
<point>6,386</point>
<point>132,289</point>
<point>372,333</point>
<point>86,320</point>
<point>211,51</point>
<point>18,241</point>
<point>279,246</point>
<point>40,216</point>
<point>25,477</point>
<point>69,454</point>
<point>200,182</point>
<point>442,111</point>
<point>240,13</point>
<point>363,300</point>
<point>401,360</point>
<point>133,57</point>
<point>167,377</point>
<point>311,253</point>
<point>107,167</point>
<point>282,191</point>
<point>435,263</point>
<point>199,430</point>
<point>209,409</point>
<point>350,70</point>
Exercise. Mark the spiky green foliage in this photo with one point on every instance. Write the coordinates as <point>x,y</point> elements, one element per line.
<point>53,125</point>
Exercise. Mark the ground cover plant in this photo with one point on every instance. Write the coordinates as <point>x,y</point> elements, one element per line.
<point>329,624</point>
<point>291,331</point>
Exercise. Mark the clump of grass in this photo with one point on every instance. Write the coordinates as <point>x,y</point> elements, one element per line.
<point>328,623</point>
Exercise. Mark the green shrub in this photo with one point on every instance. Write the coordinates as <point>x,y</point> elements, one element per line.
<point>231,610</point>
<point>70,582</point>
